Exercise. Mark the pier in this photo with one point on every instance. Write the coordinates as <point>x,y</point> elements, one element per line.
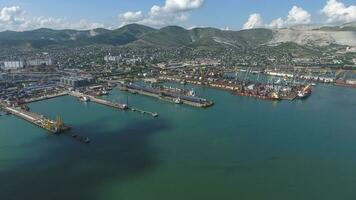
<point>49,125</point>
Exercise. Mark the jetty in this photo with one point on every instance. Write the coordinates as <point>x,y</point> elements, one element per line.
<point>104,102</point>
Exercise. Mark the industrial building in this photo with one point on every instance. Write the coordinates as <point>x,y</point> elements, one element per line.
<point>11,65</point>
<point>19,64</point>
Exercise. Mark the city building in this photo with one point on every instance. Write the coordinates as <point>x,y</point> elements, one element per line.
<point>39,62</point>
<point>19,64</point>
<point>110,58</point>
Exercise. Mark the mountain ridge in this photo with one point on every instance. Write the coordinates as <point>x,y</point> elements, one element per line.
<point>136,35</point>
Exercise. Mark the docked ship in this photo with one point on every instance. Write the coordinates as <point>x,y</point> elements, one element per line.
<point>305,92</point>
<point>263,92</point>
<point>346,83</point>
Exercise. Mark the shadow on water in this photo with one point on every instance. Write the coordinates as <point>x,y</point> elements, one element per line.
<point>77,171</point>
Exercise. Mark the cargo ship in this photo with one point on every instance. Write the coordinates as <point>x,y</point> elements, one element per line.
<point>346,83</point>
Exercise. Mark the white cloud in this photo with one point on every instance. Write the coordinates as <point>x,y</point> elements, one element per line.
<point>172,12</point>
<point>182,5</point>
<point>14,18</point>
<point>226,29</point>
<point>336,11</point>
<point>131,17</point>
<point>254,21</point>
<point>11,15</point>
<point>277,23</point>
<point>298,15</point>
<point>58,23</point>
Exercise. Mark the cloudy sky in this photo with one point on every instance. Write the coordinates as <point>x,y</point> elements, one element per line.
<point>224,14</point>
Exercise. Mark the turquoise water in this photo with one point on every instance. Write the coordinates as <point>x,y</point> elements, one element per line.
<point>241,148</point>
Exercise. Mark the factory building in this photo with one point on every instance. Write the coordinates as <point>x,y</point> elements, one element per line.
<point>77,81</point>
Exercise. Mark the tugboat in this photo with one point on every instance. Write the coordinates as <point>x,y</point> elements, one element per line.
<point>84,99</point>
<point>25,107</point>
<point>177,100</point>
<point>192,93</point>
<point>104,92</point>
<point>81,138</point>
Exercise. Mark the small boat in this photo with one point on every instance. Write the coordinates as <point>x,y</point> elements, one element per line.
<point>86,140</point>
<point>177,101</point>
<point>80,138</point>
<point>84,99</point>
<point>192,93</point>
<point>25,107</point>
<point>104,92</point>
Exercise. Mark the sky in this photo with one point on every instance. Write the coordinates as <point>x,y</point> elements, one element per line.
<point>224,14</point>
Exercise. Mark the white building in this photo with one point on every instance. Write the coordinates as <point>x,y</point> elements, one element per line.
<point>39,62</point>
<point>110,58</point>
<point>11,65</point>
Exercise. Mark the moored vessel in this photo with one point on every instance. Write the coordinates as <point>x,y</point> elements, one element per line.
<point>346,83</point>
<point>305,92</point>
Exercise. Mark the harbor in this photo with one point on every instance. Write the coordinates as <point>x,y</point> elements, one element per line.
<point>133,150</point>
